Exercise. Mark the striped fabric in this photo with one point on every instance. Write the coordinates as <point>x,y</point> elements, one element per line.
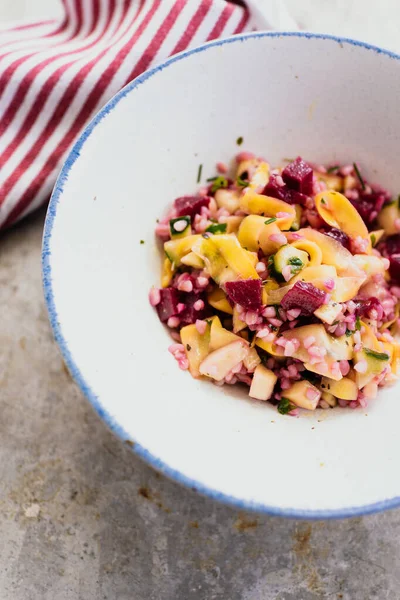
<point>54,75</point>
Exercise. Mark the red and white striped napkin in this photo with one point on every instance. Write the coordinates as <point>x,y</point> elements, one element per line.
<point>55,75</point>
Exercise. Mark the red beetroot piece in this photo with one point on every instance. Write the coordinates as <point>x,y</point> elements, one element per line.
<point>168,305</point>
<point>190,205</point>
<point>299,176</point>
<point>190,314</point>
<point>305,296</point>
<point>369,205</point>
<point>392,244</point>
<point>282,192</point>
<point>394,269</point>
<point>339,236</point>
<point>246,292</point>
<point>364,307</point>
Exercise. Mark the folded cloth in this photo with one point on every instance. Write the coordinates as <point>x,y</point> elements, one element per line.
<point>55,75</point>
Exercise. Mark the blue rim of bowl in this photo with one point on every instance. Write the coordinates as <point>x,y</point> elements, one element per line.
<point>145,454</point>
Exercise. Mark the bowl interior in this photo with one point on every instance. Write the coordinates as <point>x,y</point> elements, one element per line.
<point>322,98</point>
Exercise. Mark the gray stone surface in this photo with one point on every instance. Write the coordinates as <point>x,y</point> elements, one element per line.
<point>81,518</point>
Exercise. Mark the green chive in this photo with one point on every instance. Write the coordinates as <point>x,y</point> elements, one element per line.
<point>358,323</point>
<point>199,173</point>
<point>217,228</point>
<point>373,239</point>
<point>360,179</point>
<point>219,182</point>
<point>332,169</point>
<point>285,406</point>
<point>239,140</point>
<point>211,179</point>
<point>241,182</point>
<point>269,221</point>
<point>377,355</point>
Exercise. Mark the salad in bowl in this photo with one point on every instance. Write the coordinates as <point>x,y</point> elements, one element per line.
<point>285,280</point>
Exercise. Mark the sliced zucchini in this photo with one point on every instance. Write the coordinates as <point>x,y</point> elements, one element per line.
<point>196,347</point>
<point>192,260</point>
<point>217,299</point>
<point>167,273</point>
<point>219,336</point>
<point>225,259</point>
<point>180,227</point>
<point>376,363</point>
<point>376,236</point>
<point>345,389</point>
<point>176,249</point>
<point>303,394</point>
<point>297,219</point>
<point>289,256</point>
<point>387,218</point>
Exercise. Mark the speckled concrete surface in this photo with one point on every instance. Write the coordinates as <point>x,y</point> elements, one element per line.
<point>81,518</point>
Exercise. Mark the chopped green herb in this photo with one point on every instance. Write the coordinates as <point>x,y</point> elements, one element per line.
<point>332,169</point>
<point>142,241</point>
<point>285,406</point>
<point>269,221</point>
<point>199,173</point>
<point>276,307</point>
<point>296,264</point>
<point>373,239</point>
<point>349,332</point>
<point>360,179</point>
<point>295,260</point>
<point>217,228</point>
<point>377,355</point>
<point>188,347</point>
<point>212,178</point>
<point>241,182</point>
<point>358,324</point>
<point>323,201</point>
<point>239,141</point>
<point>219,182</point>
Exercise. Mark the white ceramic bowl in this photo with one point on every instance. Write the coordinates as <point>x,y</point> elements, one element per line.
<point>287,94</point>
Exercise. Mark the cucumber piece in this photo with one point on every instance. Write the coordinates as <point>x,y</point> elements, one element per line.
<point>177,249</point>
<point>289,256</point>
<point>180,227</point>
<point>297,220</point>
